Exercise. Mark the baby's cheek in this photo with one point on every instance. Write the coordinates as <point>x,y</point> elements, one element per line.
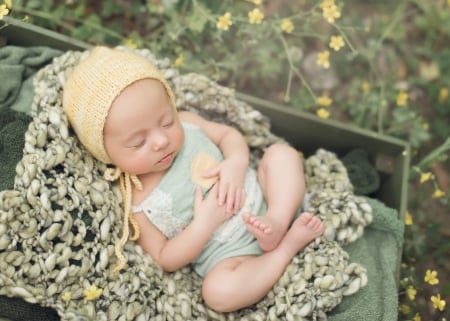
<point>141,164</point>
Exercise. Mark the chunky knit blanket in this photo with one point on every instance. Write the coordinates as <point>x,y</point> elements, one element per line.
<point>59,224</point>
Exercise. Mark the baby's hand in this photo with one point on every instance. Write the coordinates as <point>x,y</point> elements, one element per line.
<point>231,192</point>
<point>208,211</point>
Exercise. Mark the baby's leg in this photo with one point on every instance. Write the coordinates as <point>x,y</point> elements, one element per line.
<point>281,177</point>
<point>223,288</point>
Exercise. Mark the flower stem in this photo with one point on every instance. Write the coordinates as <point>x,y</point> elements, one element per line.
<point>293,69</point>
<point>428,160</point>
<point>65,25</point>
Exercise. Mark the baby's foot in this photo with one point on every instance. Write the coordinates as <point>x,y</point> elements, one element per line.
<point>303,230</point>
<point>266,231</point>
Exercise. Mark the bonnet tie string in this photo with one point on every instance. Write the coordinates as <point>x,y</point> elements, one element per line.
<point>125,181</point>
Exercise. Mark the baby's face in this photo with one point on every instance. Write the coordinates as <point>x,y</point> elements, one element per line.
<point>142,133</point>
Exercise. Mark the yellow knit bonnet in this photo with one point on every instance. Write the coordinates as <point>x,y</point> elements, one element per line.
<point>88,95</point>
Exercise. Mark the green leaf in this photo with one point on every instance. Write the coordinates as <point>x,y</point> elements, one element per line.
<point>418,135</point>
<point>444,60</point>
<point>403,114</point>
<point>198,19</point>
<point>169,4</point>
<point>441,127</point>
<point>110,8</point>
<point>80,10</point>
<point>82,33</point>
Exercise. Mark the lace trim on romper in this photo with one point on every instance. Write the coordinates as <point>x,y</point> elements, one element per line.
<point>158,208</point>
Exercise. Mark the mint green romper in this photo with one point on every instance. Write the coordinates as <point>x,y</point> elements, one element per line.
<point>170,206</point>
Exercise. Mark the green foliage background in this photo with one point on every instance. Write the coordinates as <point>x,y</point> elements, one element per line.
<point>391,47</point>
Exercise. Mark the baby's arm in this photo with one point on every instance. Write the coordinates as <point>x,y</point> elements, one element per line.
<point>232,170</point>
<point>177,252</point>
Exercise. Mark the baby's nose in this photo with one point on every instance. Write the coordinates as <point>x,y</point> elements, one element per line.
<point>160,141</point>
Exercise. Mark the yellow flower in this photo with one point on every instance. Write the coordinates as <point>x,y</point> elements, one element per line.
<point>67,296</point>
<point>327,3</point>
<point>438,193</point>
<point>417,315</point>
<point>431,277</point>
<point>365,87</point>
<point>323,113</point>
<point>443,94</point>
<point>330,11</point>
<point>92,293</point>
<point>324,101</point>
<point>405,309</point>
<point>429,70</point>
<point>255,16</point>
<point>408,218</point>
<point>336,42</point>
<point>224,22</point>
<point>255,2</point>
<point>323,59</point>
<point>287,25</point>
<point>3,11</point>
<point>179,61</point>
<point>402,98</point>
<point>411,292</point>
<point>437,302</point>
<point>130,43</point>
<point>425,126</point>
<point>425,177</point>
<point>8,4</point>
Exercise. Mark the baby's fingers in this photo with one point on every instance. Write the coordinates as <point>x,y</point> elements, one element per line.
<point>222,194</point>
<point>235,203</point>
<point>233,200</point>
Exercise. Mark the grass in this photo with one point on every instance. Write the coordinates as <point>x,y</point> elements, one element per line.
<point>387,70</point>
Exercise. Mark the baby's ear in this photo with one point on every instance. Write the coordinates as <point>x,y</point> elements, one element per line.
<point>201,163</point>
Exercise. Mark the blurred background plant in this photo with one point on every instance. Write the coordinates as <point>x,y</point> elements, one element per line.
<point>381,65</point>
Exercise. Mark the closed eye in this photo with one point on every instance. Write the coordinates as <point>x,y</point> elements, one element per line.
<point>168,124</point>
<point>137,145</point>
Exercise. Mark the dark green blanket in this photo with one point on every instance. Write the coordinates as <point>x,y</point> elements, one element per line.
<point>379,251</point>
<point>13,125</point>
<point>14,309</point>
<point>17,68</point>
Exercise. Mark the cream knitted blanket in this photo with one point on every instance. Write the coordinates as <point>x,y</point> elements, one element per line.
<point>59,224</point>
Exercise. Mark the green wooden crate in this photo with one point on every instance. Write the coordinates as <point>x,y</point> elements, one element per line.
<point>306,132</point>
